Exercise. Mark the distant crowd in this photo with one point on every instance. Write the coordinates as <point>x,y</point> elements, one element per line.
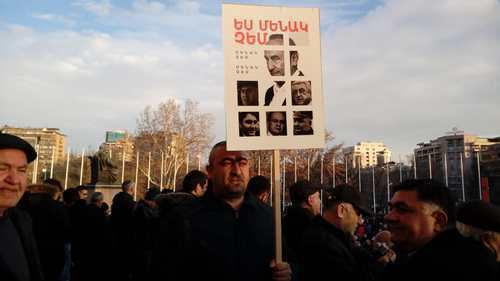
<point>220,226</point>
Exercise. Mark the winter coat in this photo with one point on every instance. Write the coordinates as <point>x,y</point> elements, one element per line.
<point>23,225</point>
<point>51,227</point>
<point>295,222</point>
<point>218,243</point>
<point>449,256</point>
<point>327,251</point>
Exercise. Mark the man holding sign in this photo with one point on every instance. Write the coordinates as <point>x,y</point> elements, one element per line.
<point>257,43</point>
<point>230,235</point>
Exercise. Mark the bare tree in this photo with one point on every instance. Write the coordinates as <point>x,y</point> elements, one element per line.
<point>298,160</point>
<point>170,133</point>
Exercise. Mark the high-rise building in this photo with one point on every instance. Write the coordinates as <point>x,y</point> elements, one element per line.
<point>117,143</point>
<point>490,170</point>
<point>367,154</point>
<point>49,143</point>
<point>453,160</point>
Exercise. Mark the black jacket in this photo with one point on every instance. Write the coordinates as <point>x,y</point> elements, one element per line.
<point>23,224</point>
<point>327,251</point>
<point>121,212</point>
<point>449,256</point>
<point>174,209</point>
<point>52,231</point>
<point>295,222</point>
<point>218,243</point>
<point>145,219</point>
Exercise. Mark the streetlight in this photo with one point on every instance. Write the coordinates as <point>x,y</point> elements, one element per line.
<point>388,164</point>
<point>199,161</point>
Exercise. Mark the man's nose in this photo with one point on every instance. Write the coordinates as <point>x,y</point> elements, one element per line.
<point>235,169</point>
<point>389,216</point>
<point>13,177</point>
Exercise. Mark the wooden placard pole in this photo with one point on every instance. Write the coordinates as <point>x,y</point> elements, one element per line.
<point>277,205</point>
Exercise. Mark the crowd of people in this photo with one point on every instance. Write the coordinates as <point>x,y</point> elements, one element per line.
<point>220,226</point>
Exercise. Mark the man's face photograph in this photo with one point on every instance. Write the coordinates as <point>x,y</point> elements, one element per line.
<point>301,93</point>
<point>275,62</point>
<point>302,124</point>
<point>276,123</point>
<point>249,125</point>
<point>248,93</point>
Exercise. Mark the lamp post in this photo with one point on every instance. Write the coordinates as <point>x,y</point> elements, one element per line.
<point>359,172</point>
<point>388,166</point>
<point>333,170</point>
<point>373,190</point>
<point>199,161</point>
<point>321,168</point>
<point>345,165</point>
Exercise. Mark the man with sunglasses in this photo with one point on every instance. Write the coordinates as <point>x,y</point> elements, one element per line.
<point>421,220</point>
<point>327,244</point>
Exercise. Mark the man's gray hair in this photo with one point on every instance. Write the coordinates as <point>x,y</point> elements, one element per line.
<point>127,185</point>
<point>96,197</point>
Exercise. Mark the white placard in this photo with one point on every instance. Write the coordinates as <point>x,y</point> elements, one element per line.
<point>272,71</point>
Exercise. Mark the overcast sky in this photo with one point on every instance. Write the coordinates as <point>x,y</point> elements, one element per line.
<point>400,72</point>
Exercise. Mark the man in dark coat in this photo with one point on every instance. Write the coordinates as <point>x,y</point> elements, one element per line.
<point>123,207</point>
<point>145,220</point>
<point>174,208</point>
<point>230,236</point>
<point>123,231</point>
<point>421,220</point>
<point>19,260</point>
<point>327,247</point>
<point>306,204</point>
<point>51,228</point>
<point>96,243</point>
<point>78,213</point>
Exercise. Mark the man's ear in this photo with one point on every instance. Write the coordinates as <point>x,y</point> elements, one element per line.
<point>198,188</point>
<point>441,220</point>
<point>263,196</point>
<point>209,169</point>
<point>340,210</point>
<point>492,241</point>
<point>310,200</point>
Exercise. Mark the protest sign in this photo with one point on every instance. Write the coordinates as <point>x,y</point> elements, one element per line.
<point>272,72</point>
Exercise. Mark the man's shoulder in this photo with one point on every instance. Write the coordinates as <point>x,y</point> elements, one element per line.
<point>123,198</point>
<point>449,250</point>
<point>18,215</point>
<point>318,231</point>
<point>299,217</point>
